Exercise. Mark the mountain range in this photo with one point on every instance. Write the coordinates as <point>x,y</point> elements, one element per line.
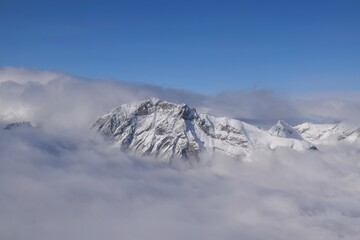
<point>167,130</point>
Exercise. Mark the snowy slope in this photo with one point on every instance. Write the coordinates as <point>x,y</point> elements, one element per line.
<point>283,129</point>
<point>329,133</point>
<point>166,130</point>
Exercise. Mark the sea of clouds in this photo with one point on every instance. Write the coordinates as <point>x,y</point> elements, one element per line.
<point>59,180</point>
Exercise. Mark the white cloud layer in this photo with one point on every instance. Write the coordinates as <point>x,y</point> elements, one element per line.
<point>59,181</point>
<point>29,94</point>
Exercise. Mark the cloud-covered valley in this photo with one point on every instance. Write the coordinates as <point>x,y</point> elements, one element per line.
<point>59,180</point>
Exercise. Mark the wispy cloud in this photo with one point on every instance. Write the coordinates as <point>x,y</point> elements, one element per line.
<point>57,97</point>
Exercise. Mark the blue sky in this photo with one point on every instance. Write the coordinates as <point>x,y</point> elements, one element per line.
<point>205,46</point>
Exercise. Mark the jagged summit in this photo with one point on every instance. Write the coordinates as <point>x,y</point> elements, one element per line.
<point>153,127</point>
<point>152,105</point>
<point>169,130</point>
<point>283,129</point>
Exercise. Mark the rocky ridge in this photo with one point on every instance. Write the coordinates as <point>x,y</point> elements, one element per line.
<point>168,130</point>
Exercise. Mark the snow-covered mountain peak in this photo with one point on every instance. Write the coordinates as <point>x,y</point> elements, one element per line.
<point>153,127</point>
<point>283,129</point>
<point>166,130</point>
<point>153,105</point>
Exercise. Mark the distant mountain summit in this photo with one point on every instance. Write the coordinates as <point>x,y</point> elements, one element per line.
<point>283,129</point>
<point>168,130</point>
<point>329,133</point>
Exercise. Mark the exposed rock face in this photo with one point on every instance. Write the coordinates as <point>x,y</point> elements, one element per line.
<point>168,130</point>
<point>153,127</point>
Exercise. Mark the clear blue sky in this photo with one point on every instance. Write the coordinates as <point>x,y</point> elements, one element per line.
<point>206,46</point>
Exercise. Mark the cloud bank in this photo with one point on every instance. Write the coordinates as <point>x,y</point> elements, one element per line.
<point>33,94</point>
<point>60,181</point>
